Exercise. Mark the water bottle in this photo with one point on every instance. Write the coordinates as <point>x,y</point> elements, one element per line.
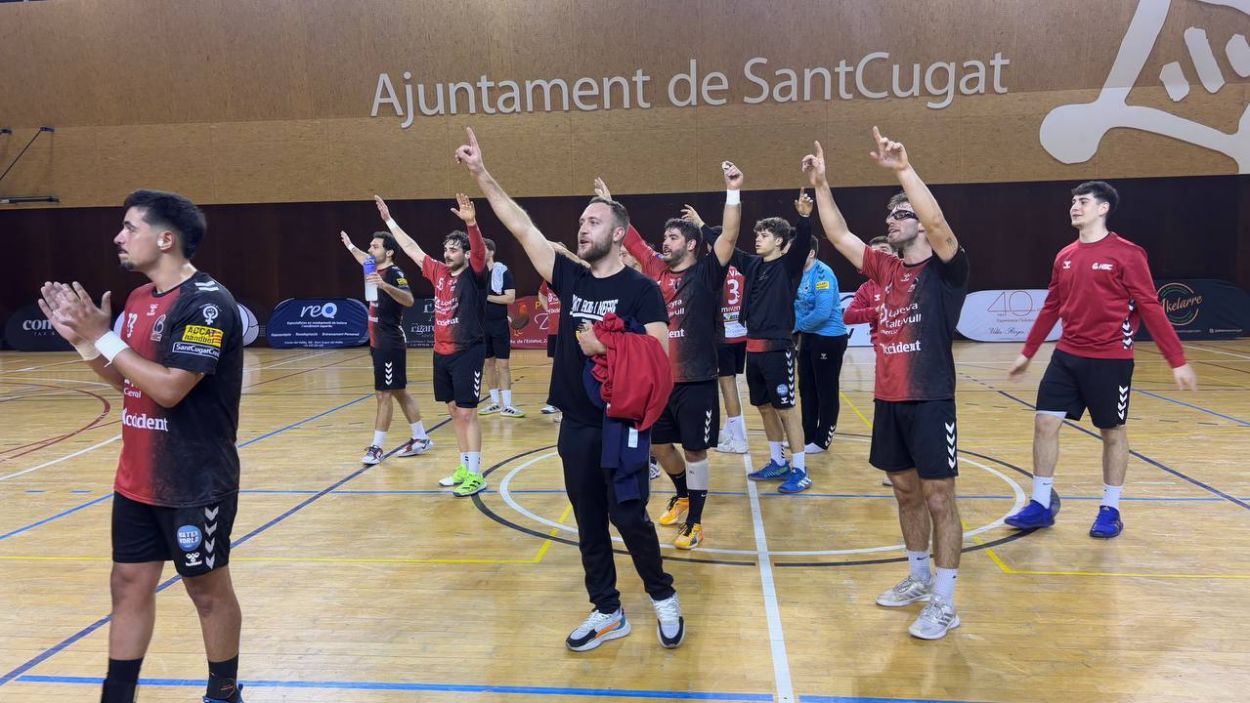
<point>371,290</point>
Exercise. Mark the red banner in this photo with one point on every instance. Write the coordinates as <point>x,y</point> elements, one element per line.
<point>528,323</point>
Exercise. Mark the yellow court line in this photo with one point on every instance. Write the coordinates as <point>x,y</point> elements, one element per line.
<point>542,551</point>
<point>854,407</point>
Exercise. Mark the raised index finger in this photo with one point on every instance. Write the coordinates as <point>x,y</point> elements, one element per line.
<point>472,137</point>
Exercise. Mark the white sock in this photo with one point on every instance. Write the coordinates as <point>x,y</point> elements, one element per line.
<point>475,462</point>
<point>798,461</point>
<point>919,563</point>
<point>418,430</point>
<point>776,451</point>
<point>944,584</point>
<point>494,396</point>
<point>738,428</point>
<point>379,439</point>
<point>507,398</point>
<point>464,459</point>
<point>1041,489</point>
<point>1111,496</point>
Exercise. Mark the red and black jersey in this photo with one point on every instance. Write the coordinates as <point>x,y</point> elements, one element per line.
<point>693,300</point>
<point>733,331</point>
<point>920,306</point>
<point>865,307</point>
<point>768,308</point>
<point>459,299</point>
<point>183,456</point>
<point>1103,291</point>
<point>553,308</point>
<point>386,329</point>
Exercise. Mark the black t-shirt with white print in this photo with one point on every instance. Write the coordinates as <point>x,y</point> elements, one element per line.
<point>583,297</point>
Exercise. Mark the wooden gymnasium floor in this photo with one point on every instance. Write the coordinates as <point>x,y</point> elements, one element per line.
<point>371,584</point>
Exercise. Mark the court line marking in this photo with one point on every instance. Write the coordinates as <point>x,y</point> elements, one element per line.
<point>69,641</point>
<point>772,611</point>
<point>1218,351</point>
<point>1243,423</point>
<point>80,452</point>
<point>446,688</point>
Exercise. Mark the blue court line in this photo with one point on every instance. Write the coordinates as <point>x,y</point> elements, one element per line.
<point>36,490</point>
<point>54,650</point>
<point>433,687</point>
<point>1200,409</point>
<point>1157,464</point>
<point>503,690</point>
<point>58,516</point>
<point>254,440</point>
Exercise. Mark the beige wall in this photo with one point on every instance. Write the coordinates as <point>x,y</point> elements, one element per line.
<point>270,100</point>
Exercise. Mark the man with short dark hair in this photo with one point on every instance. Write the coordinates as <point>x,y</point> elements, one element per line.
<point>389,347</point>
<point>498,367</point>
<point>1102,289</point>
<point>459,351</point>
<point>178,363</point>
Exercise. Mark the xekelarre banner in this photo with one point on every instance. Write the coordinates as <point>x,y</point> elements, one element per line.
<point>1204,308</point>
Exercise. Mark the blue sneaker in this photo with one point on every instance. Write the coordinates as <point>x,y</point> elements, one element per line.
<point>796,482</point>
<point>1035,515</point>
<point>220,700</point>
<point>772,472</point>
<point>1107,524</point>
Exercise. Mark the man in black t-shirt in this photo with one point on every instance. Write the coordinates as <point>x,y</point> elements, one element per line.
<point>691,281</point>
<point>498,368</point>
<point>772,278</point>
<point>914,432</point>
<point>178,363</point>
<point>587,294</point>
<point>389,347</point>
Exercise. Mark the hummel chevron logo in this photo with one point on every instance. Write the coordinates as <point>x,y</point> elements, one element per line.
<point>211,514</point>
<point>208,545</point>
<point>210,529</point>
<point>209,561</point>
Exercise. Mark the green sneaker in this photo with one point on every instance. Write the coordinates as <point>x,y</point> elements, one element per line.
<point>474,483</point>
<point>462,473</point>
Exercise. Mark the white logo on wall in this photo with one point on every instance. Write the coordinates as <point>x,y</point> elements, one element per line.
<point>328,311</point>
<point>1072,133</point>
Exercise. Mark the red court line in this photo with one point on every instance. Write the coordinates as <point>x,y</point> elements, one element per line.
<point>49,441</point>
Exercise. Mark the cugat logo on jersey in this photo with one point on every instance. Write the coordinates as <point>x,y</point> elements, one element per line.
<point>210,312</point>
<point>199,334</point>
<point>1180,302</point>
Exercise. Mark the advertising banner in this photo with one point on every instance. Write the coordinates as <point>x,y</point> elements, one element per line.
<point>318,323</point>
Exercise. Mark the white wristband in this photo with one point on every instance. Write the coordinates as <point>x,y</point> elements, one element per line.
<point>110,345</point>
<point>391,224</point>
<point>86,350</point>
<point>733,197</point>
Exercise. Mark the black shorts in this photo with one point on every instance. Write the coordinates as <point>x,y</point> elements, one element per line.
<point>390,368</point>
<point>915,434</point>
<point>692,417</point>
<point>458,377</point>
<point>551,346</point>
<point>498,339</point>
<point>731,359</point>
<point>770,378</point>
<point>1073,383</point>
<point>196,539</point>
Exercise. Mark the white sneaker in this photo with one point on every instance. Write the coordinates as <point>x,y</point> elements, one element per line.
<point>937,618</point>
<point>597,629</point>
<point>490,409</point>
<point>653,469</point>
<point>909,590</point>
<point>512,411</point>
<point>723,437</point>
<point>549,410</point>
<point>416,447</point>
<point>373,455</point>
<point>732,446</point>
<point>670,626</point>
<point>886,481</point>
<point>813,448</point>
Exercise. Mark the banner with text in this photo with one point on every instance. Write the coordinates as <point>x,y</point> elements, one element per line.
<point>318,323</point>
<point>1003,315</point>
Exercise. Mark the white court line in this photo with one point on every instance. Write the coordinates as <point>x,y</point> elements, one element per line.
<point>1020,500</point>
<point>291,361</point>
<point>62,380</point>
<point>80,452</point>
<point>1218,351</point>
<point>776,638</point>
<point>41,366</point>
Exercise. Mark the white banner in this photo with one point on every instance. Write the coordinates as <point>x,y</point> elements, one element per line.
<point>858,333</point>
<point>1003,315</point>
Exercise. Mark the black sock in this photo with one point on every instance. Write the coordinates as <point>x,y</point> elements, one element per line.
<point>122,681</point>
<point>223,680</point>
<point>679,481</point>
<point>697,499</point>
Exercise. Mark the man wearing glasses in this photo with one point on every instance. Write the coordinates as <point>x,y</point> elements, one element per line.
<point>914,433</point>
